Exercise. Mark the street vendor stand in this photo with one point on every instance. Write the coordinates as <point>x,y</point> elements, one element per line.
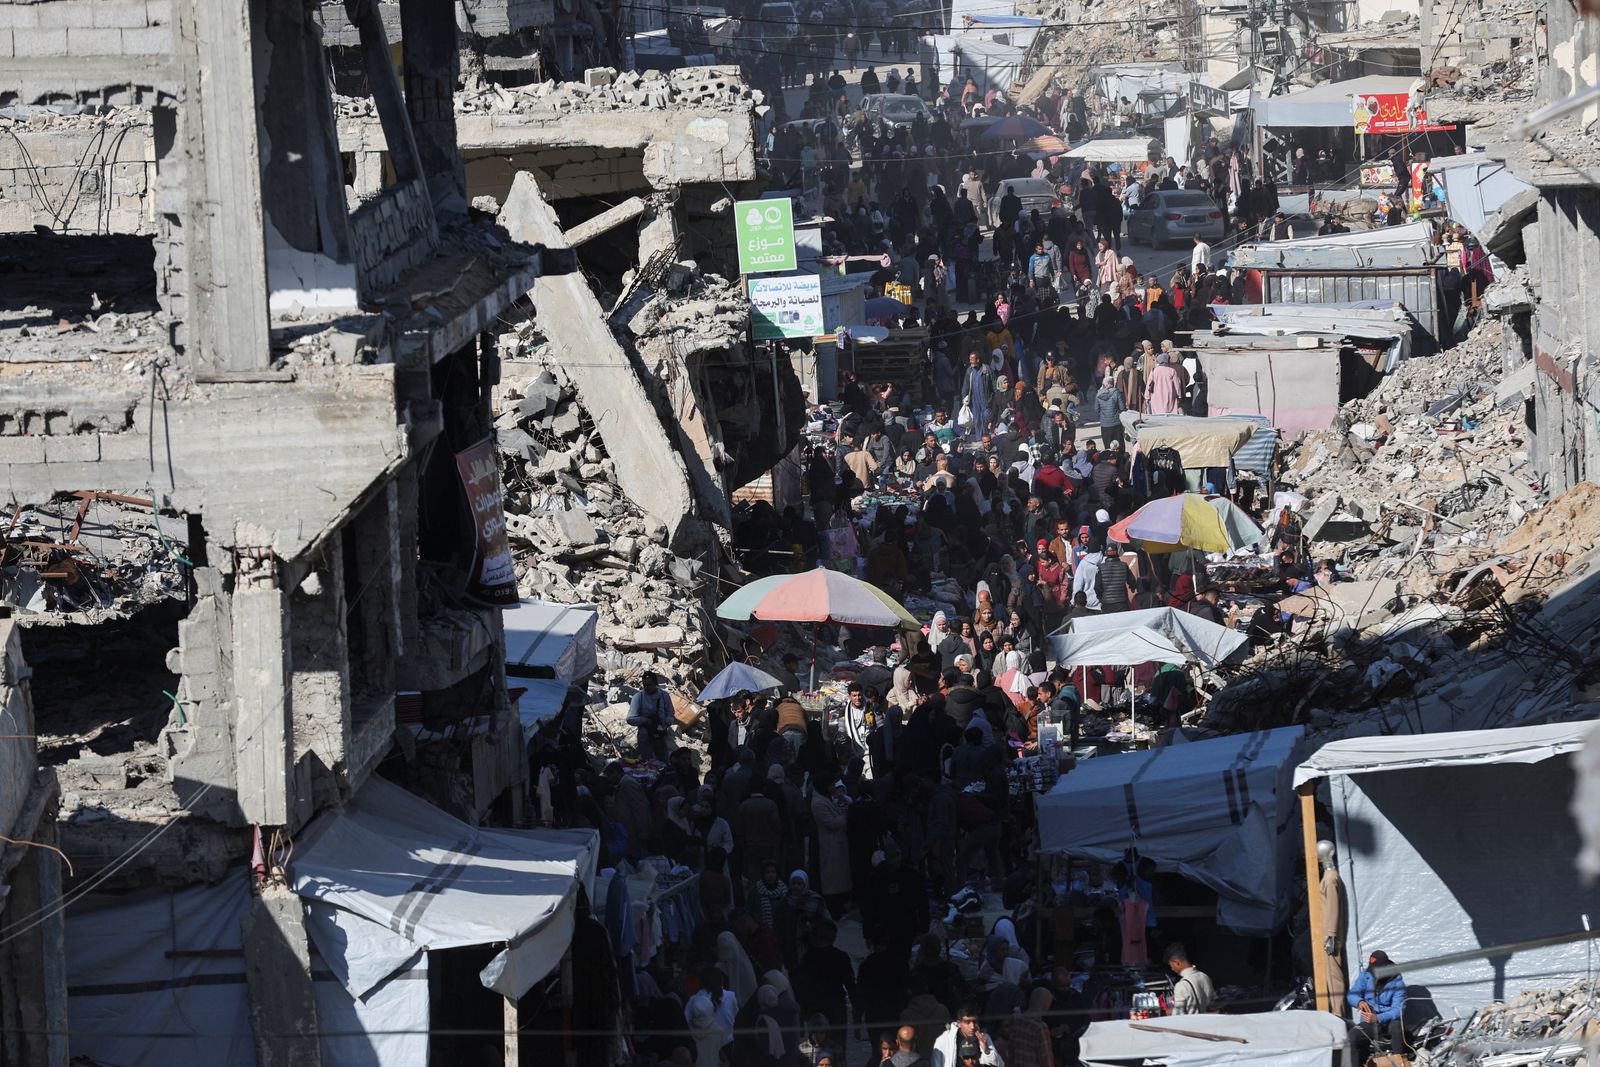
<point>1237,443</point>
<point>1131,155</point>
<point>899,356</point>
<point>1219,813</point>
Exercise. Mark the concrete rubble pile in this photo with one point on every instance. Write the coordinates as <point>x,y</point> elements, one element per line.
<point>1425,466</point>
<point>578,539</point>
<point>603,89</point>
<point>1547,1026</point>
<point>102,562</point>
<point>1099,35</point>
<point>1422,492</point>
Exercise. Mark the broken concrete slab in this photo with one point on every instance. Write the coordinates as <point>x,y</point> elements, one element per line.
<point>649,469</point>
<point>574,526</point>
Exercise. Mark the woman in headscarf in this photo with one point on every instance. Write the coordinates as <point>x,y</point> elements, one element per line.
<point>1008,996</point>
<point>806,907</point>
<point>733,962</point>
<point>830,814</point>
<point>1105,268</point>
<point>902,694</point>
<point>708,1035</point>
<point>768,901</point>
<point>988,651</point>
<point>985,622</point>
<point>763,1042</point>
<point>969,636</point>
<point>905,465</point>
<point>999,946</point>
<point>1166,388</point>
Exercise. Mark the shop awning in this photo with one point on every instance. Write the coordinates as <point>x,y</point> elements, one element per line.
<point>542,636</point>
<point>1279,1038</point>
<point>1209,442</point>
<point>1404,752</point>
<point>1114,150</point>
<point>1216,812</point>
<point>1327,106</point>
<point>1437,832</point>
<point>411,870</point>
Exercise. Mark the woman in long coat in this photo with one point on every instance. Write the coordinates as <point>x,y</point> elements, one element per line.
<point>833,847</point>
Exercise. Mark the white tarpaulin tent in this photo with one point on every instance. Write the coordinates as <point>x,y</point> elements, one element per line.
<point>1200,639</point>
<point>1114,150</point>
<point>412,870</point>
<point>1279,1038</point>
<point>558,637</point>
<point>1114,648</point>
<point>1452,841</point>
<point>158,976</point>
<point>1217,812</point>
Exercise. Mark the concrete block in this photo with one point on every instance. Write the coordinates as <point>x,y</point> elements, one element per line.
<point>119,14</point>
<point>18,450</point>
<point>60,14</point>
<point>19,16</point>
<point>148,41</point>
<point>72,448</point>
<point>88,41</point>
<point>158,12</point>
<point>6,49</point>
<point>40,42</point>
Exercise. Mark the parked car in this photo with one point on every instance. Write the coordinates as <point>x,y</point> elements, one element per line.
<point>1171,215</point>
<point>892,112</point>
<point>778,20</point>
<point>1037,194</point>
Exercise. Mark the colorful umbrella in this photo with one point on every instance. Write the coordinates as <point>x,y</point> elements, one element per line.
<point>818,596</point>
<point>1047,144</point>
<point>737,678</point>
<point>1209,524</point>
<point>1015,128</point>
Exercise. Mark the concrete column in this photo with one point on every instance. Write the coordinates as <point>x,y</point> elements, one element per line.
<point>262,740</point>
<point>430,65</point>
<point>659,231</point>
<point>228,327</point>
<point>277,963</point>
<point>369,174</point>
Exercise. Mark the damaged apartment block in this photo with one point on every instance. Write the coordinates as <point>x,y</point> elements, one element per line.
<point>253,430</point>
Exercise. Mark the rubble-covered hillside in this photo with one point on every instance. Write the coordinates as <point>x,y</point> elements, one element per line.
<point>1463,601</point>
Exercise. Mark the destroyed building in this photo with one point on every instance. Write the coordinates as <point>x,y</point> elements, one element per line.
<point>255,335</point>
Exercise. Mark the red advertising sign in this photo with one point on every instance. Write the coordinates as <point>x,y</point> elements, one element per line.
<point>1387,113</point>
<point>494,576</point>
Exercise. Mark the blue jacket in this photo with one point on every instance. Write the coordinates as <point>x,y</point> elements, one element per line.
<point>1389,1002</point>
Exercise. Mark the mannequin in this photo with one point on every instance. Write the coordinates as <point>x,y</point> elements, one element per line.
<point>1333,923</point>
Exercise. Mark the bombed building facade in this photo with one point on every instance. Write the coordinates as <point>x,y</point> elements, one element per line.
<point>258,337</point>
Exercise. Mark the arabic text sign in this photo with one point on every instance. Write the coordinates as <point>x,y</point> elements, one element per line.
<point>790,306</point>
<point>494,577</point>
<point>765,232</point>
<point>1388,113</point>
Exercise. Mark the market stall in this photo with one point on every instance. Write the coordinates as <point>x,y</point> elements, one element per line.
<point>1217,812</point>
<point>1436,833</point>
<point>1235,444</point>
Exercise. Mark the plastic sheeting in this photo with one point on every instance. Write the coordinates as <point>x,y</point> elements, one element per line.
<point>1114,648</point>
<point>1200,639</point>
<point>1115,150</point>
<point>1280,1038</point>
<point>1217,812</point>
<point>398,861</point>
<point>158,977</point>
<point>557,637</point>
<point>1450,841</point>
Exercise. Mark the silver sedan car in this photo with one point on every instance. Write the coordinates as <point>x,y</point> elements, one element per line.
<point>1175,215</point>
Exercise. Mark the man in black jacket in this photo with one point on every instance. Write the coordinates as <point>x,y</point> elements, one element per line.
<point>1114,583</point>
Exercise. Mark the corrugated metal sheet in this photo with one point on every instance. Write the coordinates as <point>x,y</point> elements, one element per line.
<point>1416,291</point>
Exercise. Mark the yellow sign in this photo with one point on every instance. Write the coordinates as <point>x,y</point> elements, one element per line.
<point>899,292</point>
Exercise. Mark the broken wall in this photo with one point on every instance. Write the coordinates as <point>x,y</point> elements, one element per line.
<point>78,173</point>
